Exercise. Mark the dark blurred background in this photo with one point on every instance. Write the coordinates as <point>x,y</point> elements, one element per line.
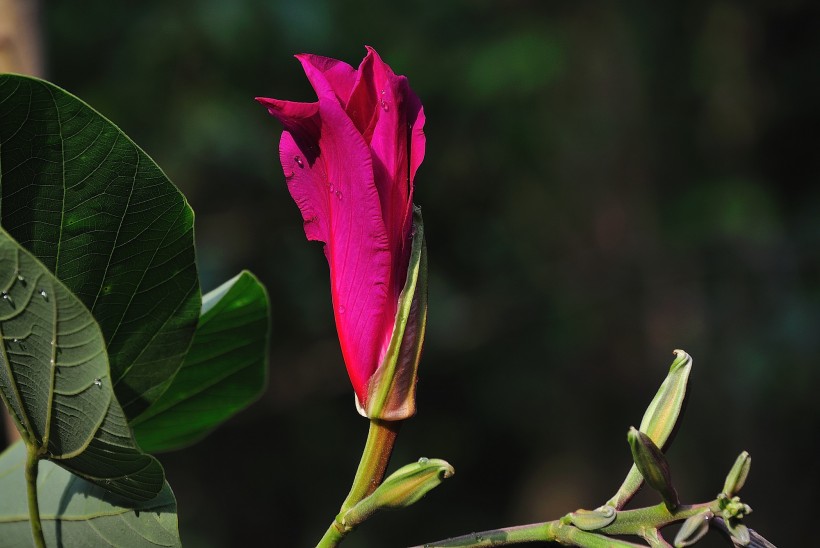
<point>603,183</point>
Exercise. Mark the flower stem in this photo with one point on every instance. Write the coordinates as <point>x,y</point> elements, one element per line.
<point>376,455</point>
<point>33,505</point>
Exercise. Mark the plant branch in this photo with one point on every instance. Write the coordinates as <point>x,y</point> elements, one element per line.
<point>549,531</point>
<point>627,522</point>
<point>32,460</point>
<point>376,455</point>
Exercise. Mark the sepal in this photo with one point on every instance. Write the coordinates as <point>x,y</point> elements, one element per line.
<point>391,395</point>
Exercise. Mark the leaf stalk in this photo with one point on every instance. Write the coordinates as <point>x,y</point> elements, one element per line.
<point>32,463</point>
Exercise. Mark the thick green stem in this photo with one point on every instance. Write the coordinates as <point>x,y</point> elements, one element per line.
<point>376,455</point>
<point>33,505</point>
<point>627,522</point>
<point>634,522</point>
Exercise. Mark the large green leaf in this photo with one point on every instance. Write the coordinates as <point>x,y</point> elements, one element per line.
<point>224,371</point>
<point>54,380</point>
<point>100,214</point>
<point>75,512</point>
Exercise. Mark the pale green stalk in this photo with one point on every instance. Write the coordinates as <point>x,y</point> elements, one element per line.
<point>376,455</point>
<point>627,522</point>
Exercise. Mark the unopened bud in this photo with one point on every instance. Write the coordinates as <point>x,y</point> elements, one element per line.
<point>659,420</point>
<point>402,488</point>
<point>737,475</point>
<point>591,520</point>
<point>693,529</point>
<point>652,465</point>
<point>663,412</point>
<point>739,533</point>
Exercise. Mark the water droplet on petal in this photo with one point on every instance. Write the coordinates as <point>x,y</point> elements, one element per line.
<point>7,297</point>
<point>424,460</point>
<point>331,188</point>
<point>21,279</point>
<point>298,161</point>
<point>342,309</point>
<point>98,382</point>
<point>43,294</point>
<point>339,194</point>
<point>385,106</point>
<point>15,340</point>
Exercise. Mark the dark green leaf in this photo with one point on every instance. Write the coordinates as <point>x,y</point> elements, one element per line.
<point>75,512</point>
<point>104,219</point>
<point>54,380</point>
<point>224,371</point>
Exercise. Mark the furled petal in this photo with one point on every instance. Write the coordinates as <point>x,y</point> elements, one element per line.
<point>350,160</point>
<point>335,192</point>
<point>339,75</point>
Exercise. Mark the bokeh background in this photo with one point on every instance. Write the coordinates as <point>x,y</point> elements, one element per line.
<point>604,182</point>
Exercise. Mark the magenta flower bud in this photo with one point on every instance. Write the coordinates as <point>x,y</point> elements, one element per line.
<point>350,160</point>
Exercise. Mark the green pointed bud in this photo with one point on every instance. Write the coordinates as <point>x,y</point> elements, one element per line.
<point>693,529</point>
<point>392,388</point>
<point>663,412</point>
<point>659,420</point>
<point>737,475</point>
<point>652,465</point>
<point>402,488</point>
<point>590,520</point>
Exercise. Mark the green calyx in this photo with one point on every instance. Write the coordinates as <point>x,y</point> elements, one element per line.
<point>392,390</point>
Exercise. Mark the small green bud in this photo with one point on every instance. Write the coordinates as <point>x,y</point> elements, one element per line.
<point>652,465</point>
<point>693,529</point>
<point>737,475</point>
<point>739,532</point>
<point>590,520</point>
<point>402,488</point>
<point>733,508</point>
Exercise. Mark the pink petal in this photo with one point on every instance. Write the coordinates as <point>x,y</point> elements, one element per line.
<point>338,74</point>
<point>335,192</point>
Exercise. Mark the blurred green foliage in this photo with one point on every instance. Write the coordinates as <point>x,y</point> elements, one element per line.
<point>603,183</point>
